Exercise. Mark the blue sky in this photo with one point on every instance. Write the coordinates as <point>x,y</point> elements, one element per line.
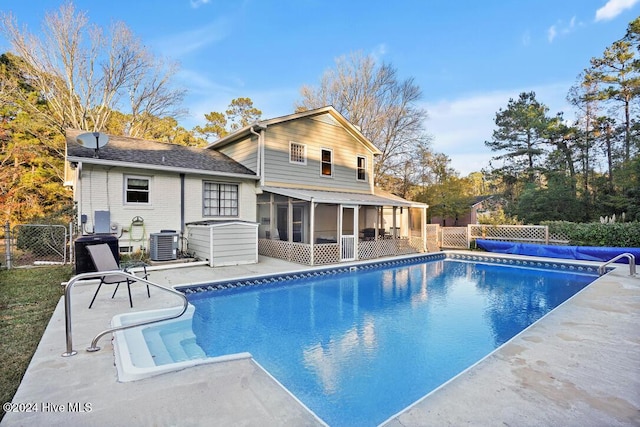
<point>468,57</point>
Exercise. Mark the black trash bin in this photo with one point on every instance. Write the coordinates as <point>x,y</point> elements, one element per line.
<point>84,264</point>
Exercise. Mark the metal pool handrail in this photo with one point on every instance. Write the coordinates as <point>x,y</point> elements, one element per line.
<point>67,308</point>
<point>632,263</point>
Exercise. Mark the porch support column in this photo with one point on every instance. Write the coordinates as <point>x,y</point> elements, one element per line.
<point>356,234</point>
<point>312,227</point>
<point>272,217</point>
<point>339,231</point>
<point>290,220</point>
<point>423,228</point>
<point>379,210</point>
<point>395,227</point>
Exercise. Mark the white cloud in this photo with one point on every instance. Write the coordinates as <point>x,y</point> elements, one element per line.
<point>551,33</point>
<point>206,95</point>
<point>197,3</point>
<point>176,45</point>
<point>614,8</point>
<point>379,51</point>
<point>526,38</point>
<point>461,126</point>
<point>559,28</point>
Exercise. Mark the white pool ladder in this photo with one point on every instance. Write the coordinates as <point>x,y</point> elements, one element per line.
<point>632,263</point>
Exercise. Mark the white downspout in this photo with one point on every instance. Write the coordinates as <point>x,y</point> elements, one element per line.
<point>260,153</point>
<point>78,188</point>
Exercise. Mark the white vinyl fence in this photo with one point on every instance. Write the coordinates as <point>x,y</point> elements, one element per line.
<point>463,237</point>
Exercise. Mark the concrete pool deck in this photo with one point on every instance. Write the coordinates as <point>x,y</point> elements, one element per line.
<point>579,365</point>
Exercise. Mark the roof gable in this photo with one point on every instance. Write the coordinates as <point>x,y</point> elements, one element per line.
<point>326,114</point>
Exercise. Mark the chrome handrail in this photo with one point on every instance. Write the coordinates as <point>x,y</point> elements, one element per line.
<point>632,263</point>
<point>67,308</point>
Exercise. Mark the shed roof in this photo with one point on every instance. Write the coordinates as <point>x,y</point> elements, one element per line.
<point>337,197</point>
<point>142,153</point>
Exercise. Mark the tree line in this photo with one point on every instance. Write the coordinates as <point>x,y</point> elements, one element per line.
<point>77,75</point>
<point>547,167</point>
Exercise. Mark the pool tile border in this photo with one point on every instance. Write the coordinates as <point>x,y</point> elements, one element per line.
<point>566,266</point>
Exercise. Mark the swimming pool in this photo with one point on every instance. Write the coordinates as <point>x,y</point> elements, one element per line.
<point>358,346</point>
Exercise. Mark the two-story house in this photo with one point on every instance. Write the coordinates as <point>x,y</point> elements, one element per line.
<point>316,198</point>
<point>304,180</point>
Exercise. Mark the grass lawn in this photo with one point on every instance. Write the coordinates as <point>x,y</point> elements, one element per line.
<point>27,300</point>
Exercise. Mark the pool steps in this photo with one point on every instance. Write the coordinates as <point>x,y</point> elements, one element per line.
<point>175,343</point>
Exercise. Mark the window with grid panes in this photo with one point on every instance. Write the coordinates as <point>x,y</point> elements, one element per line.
<point>297,153</point>
<point>361,168</point>
<point>327,162</point>
<point>220,199</point>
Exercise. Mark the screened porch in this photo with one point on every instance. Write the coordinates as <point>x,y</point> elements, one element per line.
<point>319,227</point>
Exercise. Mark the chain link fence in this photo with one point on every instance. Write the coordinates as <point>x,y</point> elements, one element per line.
<point>36,244</point>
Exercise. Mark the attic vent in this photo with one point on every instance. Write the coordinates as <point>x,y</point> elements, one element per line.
<point>163,246</point>
<point>327,118</point>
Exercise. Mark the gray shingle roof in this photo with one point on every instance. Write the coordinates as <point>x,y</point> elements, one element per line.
<point>144,152</point>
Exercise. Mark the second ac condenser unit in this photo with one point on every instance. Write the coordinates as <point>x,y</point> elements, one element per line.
<point>163,246</point>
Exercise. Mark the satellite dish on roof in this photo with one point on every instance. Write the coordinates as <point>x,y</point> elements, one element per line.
<point>94,140</point>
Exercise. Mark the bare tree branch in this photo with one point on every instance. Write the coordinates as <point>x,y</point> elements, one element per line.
<point>371,97</point>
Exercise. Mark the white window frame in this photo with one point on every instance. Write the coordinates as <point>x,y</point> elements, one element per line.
<point>126,189</point>
<point>364,168</point>
<point>304,153</point>
<point>220,206</point>
<point>322,163</point>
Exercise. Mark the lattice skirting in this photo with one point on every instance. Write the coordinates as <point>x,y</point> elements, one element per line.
<point>386,247</point>
<point>329,253</point>
<point>326,253</point>
<point>290,251</point>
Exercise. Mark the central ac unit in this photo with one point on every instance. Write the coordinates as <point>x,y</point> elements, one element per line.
<point>163,246</point>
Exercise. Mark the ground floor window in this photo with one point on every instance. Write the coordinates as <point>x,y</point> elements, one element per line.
<point>220,199</point>
<point>137,189</point>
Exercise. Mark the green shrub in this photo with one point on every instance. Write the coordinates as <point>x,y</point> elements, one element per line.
<point>620,234</point>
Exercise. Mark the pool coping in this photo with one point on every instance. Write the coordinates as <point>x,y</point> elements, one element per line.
<point>52,378</point>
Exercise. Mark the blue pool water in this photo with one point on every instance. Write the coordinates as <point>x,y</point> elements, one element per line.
<point>357,347</point>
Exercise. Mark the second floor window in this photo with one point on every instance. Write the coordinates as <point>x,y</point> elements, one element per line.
<point>361,168</point>
<point>297,153</point>
<point>220,199</point>
<point>327,162</point>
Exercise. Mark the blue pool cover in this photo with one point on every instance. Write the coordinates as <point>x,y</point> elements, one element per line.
<point>586,253</point>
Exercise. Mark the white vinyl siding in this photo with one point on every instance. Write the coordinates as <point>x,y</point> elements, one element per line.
<point>297,153</point>
<point>361,168</point>
<point>326,162</point>
<point>224,243</point>
<point>244,152</point>
<point>316,135</point>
